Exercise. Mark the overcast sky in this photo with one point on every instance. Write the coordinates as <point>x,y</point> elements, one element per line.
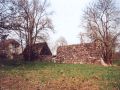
<point>67,17</point>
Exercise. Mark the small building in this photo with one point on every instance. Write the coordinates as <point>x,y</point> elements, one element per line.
<point>9,48</point>
<point>39,51</point>
<point>80,53</point>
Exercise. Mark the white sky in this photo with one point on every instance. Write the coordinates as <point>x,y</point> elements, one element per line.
<point>67,17</point>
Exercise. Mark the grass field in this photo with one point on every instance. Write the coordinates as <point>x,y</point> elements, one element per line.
<point>50,76</point>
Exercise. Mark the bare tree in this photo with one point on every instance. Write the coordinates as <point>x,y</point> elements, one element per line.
<point>29,19</point>
<point>4,14</point>
<point>83,37</point>
<point>102,21</point>
<point>60,42</point>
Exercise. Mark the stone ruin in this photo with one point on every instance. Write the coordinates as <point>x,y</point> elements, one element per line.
<point>86,53</point>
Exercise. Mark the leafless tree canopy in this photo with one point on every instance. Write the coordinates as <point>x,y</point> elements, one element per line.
<point>102,21</point>
<point>4,17</point>
<point>31,18</point>
<point>26,18</point>
<point>61,42</point>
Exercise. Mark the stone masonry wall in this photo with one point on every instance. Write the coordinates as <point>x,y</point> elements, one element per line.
<point>83,53</point>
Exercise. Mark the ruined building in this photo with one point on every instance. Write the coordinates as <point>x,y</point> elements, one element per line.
<point>9,48</point>
<point>80,53</point>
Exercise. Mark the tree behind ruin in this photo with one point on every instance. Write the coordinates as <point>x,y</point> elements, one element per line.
<point>102,21</point>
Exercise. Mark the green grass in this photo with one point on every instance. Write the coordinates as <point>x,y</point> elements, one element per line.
<point>69,76</point>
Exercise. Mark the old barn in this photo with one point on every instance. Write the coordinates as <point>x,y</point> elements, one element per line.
<point>40,51</point>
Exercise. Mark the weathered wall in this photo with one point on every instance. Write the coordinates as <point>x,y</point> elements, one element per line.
<point>83,53</point>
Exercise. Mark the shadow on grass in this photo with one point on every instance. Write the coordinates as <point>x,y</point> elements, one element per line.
<point>6,62</point>
<point>22,64</point>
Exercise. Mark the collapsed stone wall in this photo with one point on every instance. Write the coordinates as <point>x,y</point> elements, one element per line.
<point>83,53</point>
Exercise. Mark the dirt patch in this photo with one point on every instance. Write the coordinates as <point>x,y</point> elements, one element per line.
<point>17,83</point>
<point>73,83</point>
<point>63,83</point>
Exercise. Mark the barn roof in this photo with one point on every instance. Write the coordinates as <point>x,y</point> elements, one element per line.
<point>42,47</point>
<point>39,48</point>
<point>39,45</point>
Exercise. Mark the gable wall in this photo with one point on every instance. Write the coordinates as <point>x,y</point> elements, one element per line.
<point>83,53</point>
